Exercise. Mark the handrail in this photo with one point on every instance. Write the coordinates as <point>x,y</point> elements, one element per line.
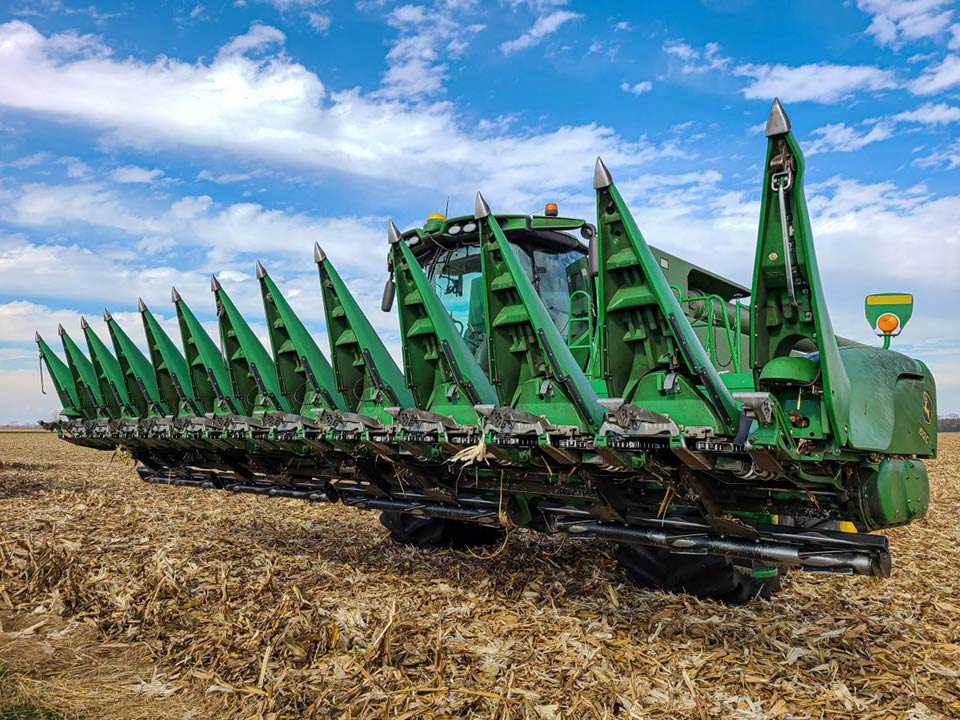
<point>587,318</point>
<point>716,306</point>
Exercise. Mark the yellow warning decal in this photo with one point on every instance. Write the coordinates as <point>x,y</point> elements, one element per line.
<point>889,299</point>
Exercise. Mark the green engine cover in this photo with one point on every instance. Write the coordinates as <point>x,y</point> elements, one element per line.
<point>894,492</point>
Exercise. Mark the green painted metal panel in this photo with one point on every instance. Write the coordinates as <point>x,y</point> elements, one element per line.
<point>642,325</point>
<point>138,374</point>
<point>305,375</point>
<point>366,375</point>
<point>84,377</point>
<point>62,379</point>
<point>113,390</point>
<point>252,372</point>
<point>531,366</point>
<point>208,373</point>
<point>893,492</point>
<point>788,304</point>
<point>173,376</point>
<point>439,367</point>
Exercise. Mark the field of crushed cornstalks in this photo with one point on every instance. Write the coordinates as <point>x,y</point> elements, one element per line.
<point>123,600</point>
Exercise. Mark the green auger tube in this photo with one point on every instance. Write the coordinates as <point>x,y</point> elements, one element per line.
<point>208,372</point>
<point>62,379</point>
<point>173,376</point>
<point>441,371</point>
<point>138,374</point>
<point>305,375</point>
<point>531,366</point>
<point>252,371</point>
<point>84,377</point>
<point>366,375</point>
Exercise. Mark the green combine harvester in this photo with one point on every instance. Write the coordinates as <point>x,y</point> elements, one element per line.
<point>558,375</point>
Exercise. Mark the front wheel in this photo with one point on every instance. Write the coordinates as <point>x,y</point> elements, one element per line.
<point>703,576</point>
<point>431,532</point>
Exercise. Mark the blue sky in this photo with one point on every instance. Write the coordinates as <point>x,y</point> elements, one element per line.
<point>146,147</point>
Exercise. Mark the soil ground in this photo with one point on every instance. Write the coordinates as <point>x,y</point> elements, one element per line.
<point>123,600</point>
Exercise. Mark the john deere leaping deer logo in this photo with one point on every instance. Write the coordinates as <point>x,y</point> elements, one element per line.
<point>926,409</point>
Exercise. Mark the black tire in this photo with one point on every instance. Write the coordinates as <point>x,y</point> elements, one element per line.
<point>430,532</point>
<point>703,576</point>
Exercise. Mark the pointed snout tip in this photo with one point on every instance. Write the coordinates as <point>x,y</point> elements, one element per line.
<point>601,175</point>
<point>777,122</point>
<point>393,233</point>
<point>481,208</point>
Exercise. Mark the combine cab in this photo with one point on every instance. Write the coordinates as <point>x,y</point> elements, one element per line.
<point>558,375</point>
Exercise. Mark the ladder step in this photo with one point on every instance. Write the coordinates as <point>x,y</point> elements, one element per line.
<point>423,326</point>
<point>631,297</point>
<point>511,315</point>
<point>623,259</point>
<point>504,281</point>
<point>347,337</point>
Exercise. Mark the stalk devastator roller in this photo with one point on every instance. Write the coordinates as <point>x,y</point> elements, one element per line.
<point>594,386</point>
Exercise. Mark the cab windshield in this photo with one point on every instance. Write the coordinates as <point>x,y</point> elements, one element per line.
<point>560,278</point>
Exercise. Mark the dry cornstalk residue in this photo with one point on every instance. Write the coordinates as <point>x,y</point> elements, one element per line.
<point>206,604</point>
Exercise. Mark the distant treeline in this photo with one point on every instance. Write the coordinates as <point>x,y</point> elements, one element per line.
<point>949,423</point>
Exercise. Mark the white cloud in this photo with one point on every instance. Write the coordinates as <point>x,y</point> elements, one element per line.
<point>135,174</point>
<point>319,22</point>
<point>20,319</point>
<point>275,109</point>
<point>623,26</point>
<point>22,400</point>
<point>77,169</point>
<point>816,82</point>
<point>637,88</point>
<point>946,159</point>
<point>895,22</point>
<point>839,137</point>
<point>225,178</point>
<point>259,36</point>
<point>544,26</point>
<point>70,44</point>
<point>416,62</point>
<point>285,5</point>
<point>931,114</point>
<point>937,78</point>
<point>694,60</point>
<point>221,231</point>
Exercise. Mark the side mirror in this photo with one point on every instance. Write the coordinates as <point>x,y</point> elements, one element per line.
<point>389,290</point>
<point>593,256</point>
<point>888,313</point>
